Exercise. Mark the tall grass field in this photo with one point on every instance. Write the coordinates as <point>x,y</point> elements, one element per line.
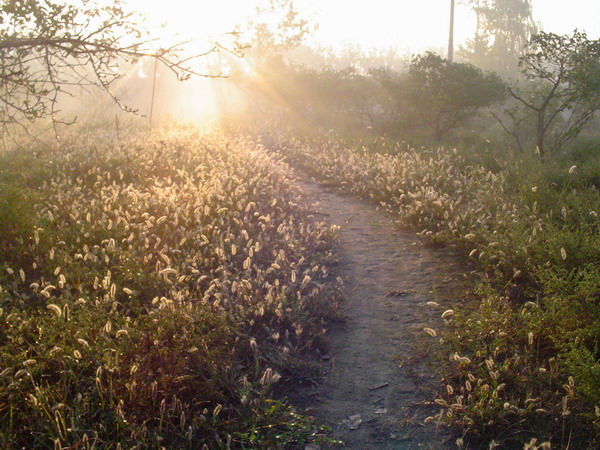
<point>153,290</point>
<point>522,365</point>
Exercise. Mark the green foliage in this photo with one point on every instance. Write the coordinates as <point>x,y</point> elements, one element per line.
<point>281,425</point>
<point>16,215</point>
<point>442,96</point>
<point>583,364</point>
<point>562,90</point>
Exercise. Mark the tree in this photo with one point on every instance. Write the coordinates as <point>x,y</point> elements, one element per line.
<point>277,28</point>
<point>503,29</point>
<point>343,99</point>
<point>562,87</point>
<point>48,47</point>
<point>443,96</point>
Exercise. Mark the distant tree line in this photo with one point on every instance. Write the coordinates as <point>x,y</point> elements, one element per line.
<point>538,89</point>
<point>544,89</point>
<point>427,102</point>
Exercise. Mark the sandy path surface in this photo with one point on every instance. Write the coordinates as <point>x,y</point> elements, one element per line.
<point>376,392</point>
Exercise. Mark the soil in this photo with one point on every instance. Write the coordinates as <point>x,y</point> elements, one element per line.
<point>379,385</point>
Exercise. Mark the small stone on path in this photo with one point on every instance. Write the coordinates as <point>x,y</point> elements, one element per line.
<point>379,386</point>
<point>353,422</point>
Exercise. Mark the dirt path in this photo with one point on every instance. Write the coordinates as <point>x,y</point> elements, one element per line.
<point>374,384</point>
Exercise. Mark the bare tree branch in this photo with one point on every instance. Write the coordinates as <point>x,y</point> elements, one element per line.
<point>49,47</point>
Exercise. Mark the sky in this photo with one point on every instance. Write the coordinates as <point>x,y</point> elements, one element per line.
<point>410,26</point>
<point>421,24</point>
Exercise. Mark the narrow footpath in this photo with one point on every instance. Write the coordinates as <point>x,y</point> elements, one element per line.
<point>376,393</point>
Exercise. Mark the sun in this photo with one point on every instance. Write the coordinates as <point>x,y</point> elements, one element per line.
<point>195,27</point>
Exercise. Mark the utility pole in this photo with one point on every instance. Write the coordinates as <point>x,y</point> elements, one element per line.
<point>153,91</point>
<point>451,37</point>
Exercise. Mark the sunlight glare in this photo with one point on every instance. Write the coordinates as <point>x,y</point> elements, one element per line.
<point>408,27</point>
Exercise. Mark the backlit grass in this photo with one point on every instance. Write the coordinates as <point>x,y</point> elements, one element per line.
<point>151,292</point>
